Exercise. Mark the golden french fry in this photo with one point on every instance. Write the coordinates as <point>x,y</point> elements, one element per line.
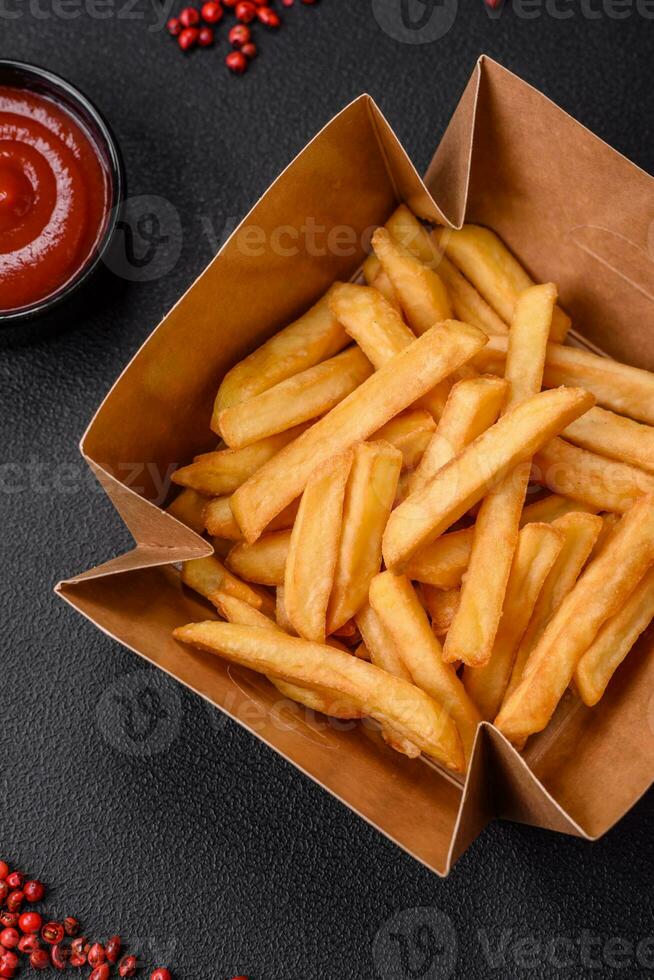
<point>466,479</point>
<point>421,293</point>
<point>369,496</point>
<point>623,389</point>
<point>406,231</point>
<point>472,407</point>
<point>188,507</point>
<point>381,333</point>
<point>281,616</point>
<point>599,593</point>
<point>379,643</point>
<point>390,700</point>
<point>209,575</point>
<point>443,563</point>
<point>595,480</point>
<point>472,634</point>
<point>219,519</point>
<point>219,473</point>
<point>303,397</point>
<point>383,284</point>
<point>264,561</point>
<point>389,391</point>
<point>316,336</point>
<point>580,534</point>
<point>328,702</point>
<point>614,641</point>
<point>537,549</point>
<point>313,550</point>
<point>362,652</point>
<point>609,524</point>
<point>394,600</point>
<point>612,435</point>
<point>486,261</point>
<point>410,432</point>
<point>441,604</point>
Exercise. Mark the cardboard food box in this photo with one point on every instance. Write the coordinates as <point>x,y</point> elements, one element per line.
<point>576,213</point>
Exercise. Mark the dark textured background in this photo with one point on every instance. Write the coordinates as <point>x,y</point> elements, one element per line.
<point>209,851</point>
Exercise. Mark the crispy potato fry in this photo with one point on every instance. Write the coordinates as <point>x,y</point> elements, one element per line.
<point>599,593</point>
<point>421,293</point>
<point>328,702</point>
<point>390,700</point>
<point>220,521</point>
<point>389,391</point>
<point>614,641</point>
<point>443,563</point>
<point>486,261</point>
<point>362,652</point>
<point>281,615</point>
<point>595,480</point>
<point>473,630</point>
<point>608,434</point>
<point>609,524</point>
<point>466,479</point>
<point>468,305</point>
<point>381,333</point>
<point>379,643</point>
<point>369,496</point>
<point>410,432</point>
<point>580,534</point>
<point>209,575</point>
<point>188,507</point>
<point>383,285</point>
<point>263,562</point>
<point>472,407</point>
<point>219,473</point>
<point>441,604</point>
<point>394,600</point>
<point>303,397</point>
<point>316,336</point>
<point>623,389</point>
<point>538,547</point>
<point>314,546</point>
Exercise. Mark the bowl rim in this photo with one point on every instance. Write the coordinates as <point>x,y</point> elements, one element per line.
<point>117,190</point>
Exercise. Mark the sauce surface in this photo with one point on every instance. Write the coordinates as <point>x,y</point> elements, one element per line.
<point>54,197</point>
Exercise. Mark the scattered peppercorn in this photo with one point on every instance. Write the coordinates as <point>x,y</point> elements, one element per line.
<point>33,891</point>
<point>236,62</point>
<point>268,17</point>
<point>128,966</point>
<point>59,956</point>
<point>189,17</point>
<point>212,12</point>
<point>39,960</point>
<point>112,948</point>
<point>161,973</point>
<point>239,35</point>
<point>28,943</point>
<point>249,50</point>
<point>9,938</point>
<point>14,900</point>
<point>188,38</point>
<point>101,972</point>
<point>4,870</point>
<point>9,919</point>
<point>30,922</point>
<point>245,11</point>
<point>15,879</point>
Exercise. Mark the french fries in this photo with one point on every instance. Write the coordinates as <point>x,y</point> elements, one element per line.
<point>219,520</point>
<point>420,290</point>
<point>300,398</point>
<point>441,604</point>
<point>443,563</point>
<point>393,702</point>
<point>471,636</point>
<point>538,547</point>
<point>410,432</point>
<point>619,387</point>
<point>594,480</point>
<point>209,575</point>
<point>394,600</point>
<point>614,641</point>
<point>473,405</point>
<point>486,261</point>
<point>188,507</point>
<point>314,548</point>
<point>580,535</point>
<point>379,643</point>
<point>381,333</point>
<point>329,703</point>
<point>314,337</point>
<point>369,496</point>
<point>599,593</point>
<point>387,392</point>
<point>608,434</point>
<point>219,473</point>
<point>466,479</point>
<point>263,562</point>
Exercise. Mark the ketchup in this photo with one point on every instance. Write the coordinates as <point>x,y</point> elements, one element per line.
<point>54,197</point>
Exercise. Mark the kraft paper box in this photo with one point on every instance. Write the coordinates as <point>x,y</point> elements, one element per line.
<point>576,213</point>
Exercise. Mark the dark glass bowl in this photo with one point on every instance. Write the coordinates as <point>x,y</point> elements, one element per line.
<point>35,79</point>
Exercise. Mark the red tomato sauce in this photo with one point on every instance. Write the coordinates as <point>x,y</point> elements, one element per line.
<point>54,197</point>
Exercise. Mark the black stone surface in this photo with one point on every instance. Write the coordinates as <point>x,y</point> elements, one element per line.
<point>209,852</point>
